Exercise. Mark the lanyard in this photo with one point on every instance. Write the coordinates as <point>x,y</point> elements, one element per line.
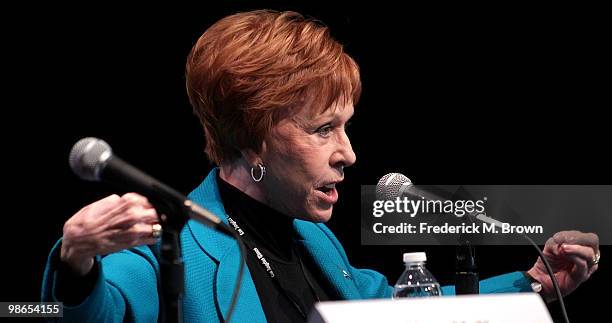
<point>268,267</point>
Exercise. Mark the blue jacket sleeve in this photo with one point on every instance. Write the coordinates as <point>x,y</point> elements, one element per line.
<point>514,282</point>
<point>126,288</point>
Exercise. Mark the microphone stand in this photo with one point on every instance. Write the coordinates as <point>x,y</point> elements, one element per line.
<point>173,218</point>
<point>466,271</point>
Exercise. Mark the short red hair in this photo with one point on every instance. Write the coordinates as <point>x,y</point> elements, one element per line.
<point>249,69</point>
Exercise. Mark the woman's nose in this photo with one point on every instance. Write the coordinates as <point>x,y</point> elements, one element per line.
<point>344,156</point>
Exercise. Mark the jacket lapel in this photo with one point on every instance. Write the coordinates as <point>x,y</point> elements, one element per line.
<point>225,252</point>
<point>324,253</point>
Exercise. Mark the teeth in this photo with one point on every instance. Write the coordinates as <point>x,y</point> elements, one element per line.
<point>330,186</point>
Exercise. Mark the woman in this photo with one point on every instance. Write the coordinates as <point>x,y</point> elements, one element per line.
<point>274,93</point>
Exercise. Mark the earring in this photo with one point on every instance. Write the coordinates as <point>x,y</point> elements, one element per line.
<point>262,172</point>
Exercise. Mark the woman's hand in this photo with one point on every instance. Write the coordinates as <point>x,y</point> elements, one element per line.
<point>573,256</point>
<point>106,226</point>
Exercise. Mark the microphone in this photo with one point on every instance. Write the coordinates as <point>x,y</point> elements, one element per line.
<point>92,159</point>
<point>396,185</point>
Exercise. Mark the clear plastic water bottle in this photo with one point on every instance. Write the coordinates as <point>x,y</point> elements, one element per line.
<point>416,280</point>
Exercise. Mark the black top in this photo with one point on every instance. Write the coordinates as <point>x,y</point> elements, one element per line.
<point>297,283</point>
<point>287,297</point>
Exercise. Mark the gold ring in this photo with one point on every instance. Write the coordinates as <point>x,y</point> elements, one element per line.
<point>595,260</point>
<point>156,230</point>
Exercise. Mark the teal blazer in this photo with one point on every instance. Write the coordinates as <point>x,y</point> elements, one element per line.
<point>127,284</point>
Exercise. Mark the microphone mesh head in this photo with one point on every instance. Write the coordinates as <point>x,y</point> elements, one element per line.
<point>88,157</point>
<point>389,186</point>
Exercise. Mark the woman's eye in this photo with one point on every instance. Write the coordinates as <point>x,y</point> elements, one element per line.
<point>325,130</point>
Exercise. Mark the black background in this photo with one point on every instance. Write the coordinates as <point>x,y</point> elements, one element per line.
<point>452,95</point>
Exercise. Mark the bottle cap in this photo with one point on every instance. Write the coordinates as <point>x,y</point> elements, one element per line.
<point>415,257</point>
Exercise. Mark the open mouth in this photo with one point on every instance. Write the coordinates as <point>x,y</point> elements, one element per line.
<point>328,194</point>
<point>327,189</point>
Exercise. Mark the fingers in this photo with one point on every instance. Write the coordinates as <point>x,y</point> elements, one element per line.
<point>145,234</point>
<point>586,253</point>
<point>120,239</point>
<point>135,234</point>
<point>136,199</point>
<point>577,238</point>
<point>581,257</point>
<point>584,245</point>
<point>580,270</point>
<point>128,209</point>
<point>132,216</point>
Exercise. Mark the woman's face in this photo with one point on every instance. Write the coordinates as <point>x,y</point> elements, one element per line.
<point>304,156</point>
